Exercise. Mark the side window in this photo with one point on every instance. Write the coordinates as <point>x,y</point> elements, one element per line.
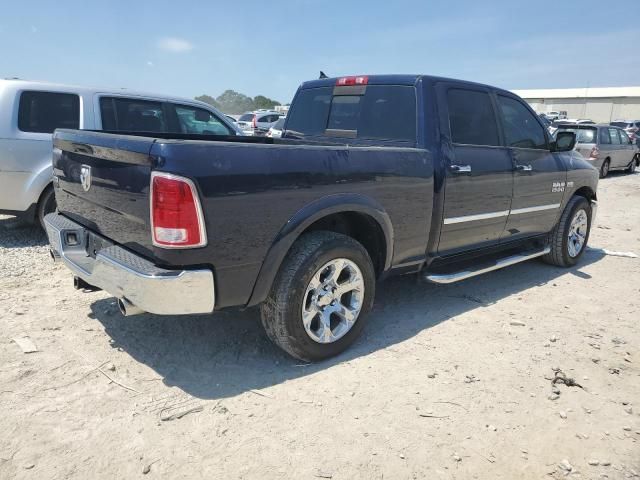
<point>521,128</point>
<point>43,112</point>
<point>132,115</point>
<point>200,121</point>
<point>624,138</point>
<point>471,118</point>
<point>613,133</point>
<point>604,136</point>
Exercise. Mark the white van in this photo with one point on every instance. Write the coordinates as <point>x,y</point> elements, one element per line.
<point>31,111</point>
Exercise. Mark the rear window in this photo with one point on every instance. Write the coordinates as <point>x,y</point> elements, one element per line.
<point>247,117</point>
<point>583,135</point>
<point>43,112</point>
<point>132,115</point>
<point>471,118</point>
<point>383,112</point>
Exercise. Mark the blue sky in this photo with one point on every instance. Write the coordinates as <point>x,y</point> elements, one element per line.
<point>189,48</point>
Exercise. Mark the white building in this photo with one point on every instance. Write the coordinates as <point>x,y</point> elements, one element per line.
<point>597,104</point>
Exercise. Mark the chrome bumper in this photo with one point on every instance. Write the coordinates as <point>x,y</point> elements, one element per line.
<point>128,276</point>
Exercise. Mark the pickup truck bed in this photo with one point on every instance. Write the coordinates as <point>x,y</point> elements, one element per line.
<point>310,221</point>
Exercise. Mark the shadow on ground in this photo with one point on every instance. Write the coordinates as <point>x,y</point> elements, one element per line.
<point>16,233</point>
<point>228,353</point>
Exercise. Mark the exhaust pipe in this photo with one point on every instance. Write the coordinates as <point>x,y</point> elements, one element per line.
<point>127,308</point>
<point>54,255</point>
<point>80,284</point>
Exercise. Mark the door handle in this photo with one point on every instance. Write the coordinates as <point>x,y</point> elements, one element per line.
<point>524,168</point>
<point>461,168</point>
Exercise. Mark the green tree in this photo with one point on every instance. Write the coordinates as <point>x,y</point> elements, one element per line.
<point>233,102</point>
<point>261,101</point>
<point>208,99</point>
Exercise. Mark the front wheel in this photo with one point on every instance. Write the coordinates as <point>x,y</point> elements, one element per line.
<point>632,166</point>
<point>568,240</point>
<point>319,300</point>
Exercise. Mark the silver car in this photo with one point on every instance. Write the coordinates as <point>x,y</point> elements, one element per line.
<point>31,111</point>
<point>258,122</point>
<point>606,147</point>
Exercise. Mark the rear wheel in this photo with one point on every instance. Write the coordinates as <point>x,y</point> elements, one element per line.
<point>319,300</point>
<point>46,205</point>
<point>604,169</point>
<point>632,166</point>
<point>568,240</point>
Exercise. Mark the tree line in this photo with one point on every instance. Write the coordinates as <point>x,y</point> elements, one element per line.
<point>233,102</point>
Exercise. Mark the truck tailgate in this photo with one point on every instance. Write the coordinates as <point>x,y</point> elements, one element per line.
<point>102,182</point>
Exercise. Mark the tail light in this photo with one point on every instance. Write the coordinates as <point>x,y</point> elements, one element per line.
<point>254,122</point>
<point>349,81</point>
<point>595,153</point>
<point>176,214</point>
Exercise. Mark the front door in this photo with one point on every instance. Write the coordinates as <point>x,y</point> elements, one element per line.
<point>539,175</point>
<point>479,170</point>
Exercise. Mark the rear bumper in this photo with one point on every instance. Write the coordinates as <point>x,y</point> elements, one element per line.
<point>128,276</point>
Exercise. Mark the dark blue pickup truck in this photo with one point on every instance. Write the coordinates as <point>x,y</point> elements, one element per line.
<point>374,176</point>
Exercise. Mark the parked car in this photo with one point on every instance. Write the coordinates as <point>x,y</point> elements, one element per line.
<point>561,115</point>
<point>605,147</point>
<point>276,130</point>
<point>463,181</point>
<point>632,127</point>
<point>257,123</point>
<point>31,111</point>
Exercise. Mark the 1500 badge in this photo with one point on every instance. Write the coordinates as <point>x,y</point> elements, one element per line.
<point>558,187</point>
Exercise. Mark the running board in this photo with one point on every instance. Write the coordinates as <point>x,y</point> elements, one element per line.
<point>498,264</point>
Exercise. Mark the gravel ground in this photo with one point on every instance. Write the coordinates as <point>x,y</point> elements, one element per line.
<point>446,382</point>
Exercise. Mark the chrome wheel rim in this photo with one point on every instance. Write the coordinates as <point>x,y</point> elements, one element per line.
<point>333,300</point>
<point>577,233</point>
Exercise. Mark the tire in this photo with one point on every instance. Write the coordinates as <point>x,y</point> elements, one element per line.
<point>604,169</point>
<point>293,291</point>
<point>559,242</point>
<point>46,205</point>
<point>632,166</point>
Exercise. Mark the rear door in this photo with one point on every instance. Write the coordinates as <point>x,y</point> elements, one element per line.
<point>539,175</point>
<point>607,150</point>
<point>617,150</point>
<point>479,170</point>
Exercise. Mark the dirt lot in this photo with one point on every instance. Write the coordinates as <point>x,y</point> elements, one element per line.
<point>447,381</point>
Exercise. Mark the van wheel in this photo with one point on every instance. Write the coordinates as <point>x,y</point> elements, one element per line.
<point>632,166</point>
<point>568,240</point>
<point>604,169</point>
<point>319,300</point>
<point>46,205</point>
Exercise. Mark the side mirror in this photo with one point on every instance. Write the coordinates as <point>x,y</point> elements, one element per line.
<point>565,142</point>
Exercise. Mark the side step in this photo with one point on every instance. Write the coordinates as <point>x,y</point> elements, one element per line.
<point>484,268</point>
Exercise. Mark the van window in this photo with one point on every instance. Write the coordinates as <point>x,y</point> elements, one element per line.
<point>624,138</point>
<point>43,112</point>
<point>132,115</point>
<point>604,136</point>
<point>382,112</point>
<point>583,135</point>
<point>471,118</point>
<point>200,121</point>
<point>521,127</point>
<point>613,133</point>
